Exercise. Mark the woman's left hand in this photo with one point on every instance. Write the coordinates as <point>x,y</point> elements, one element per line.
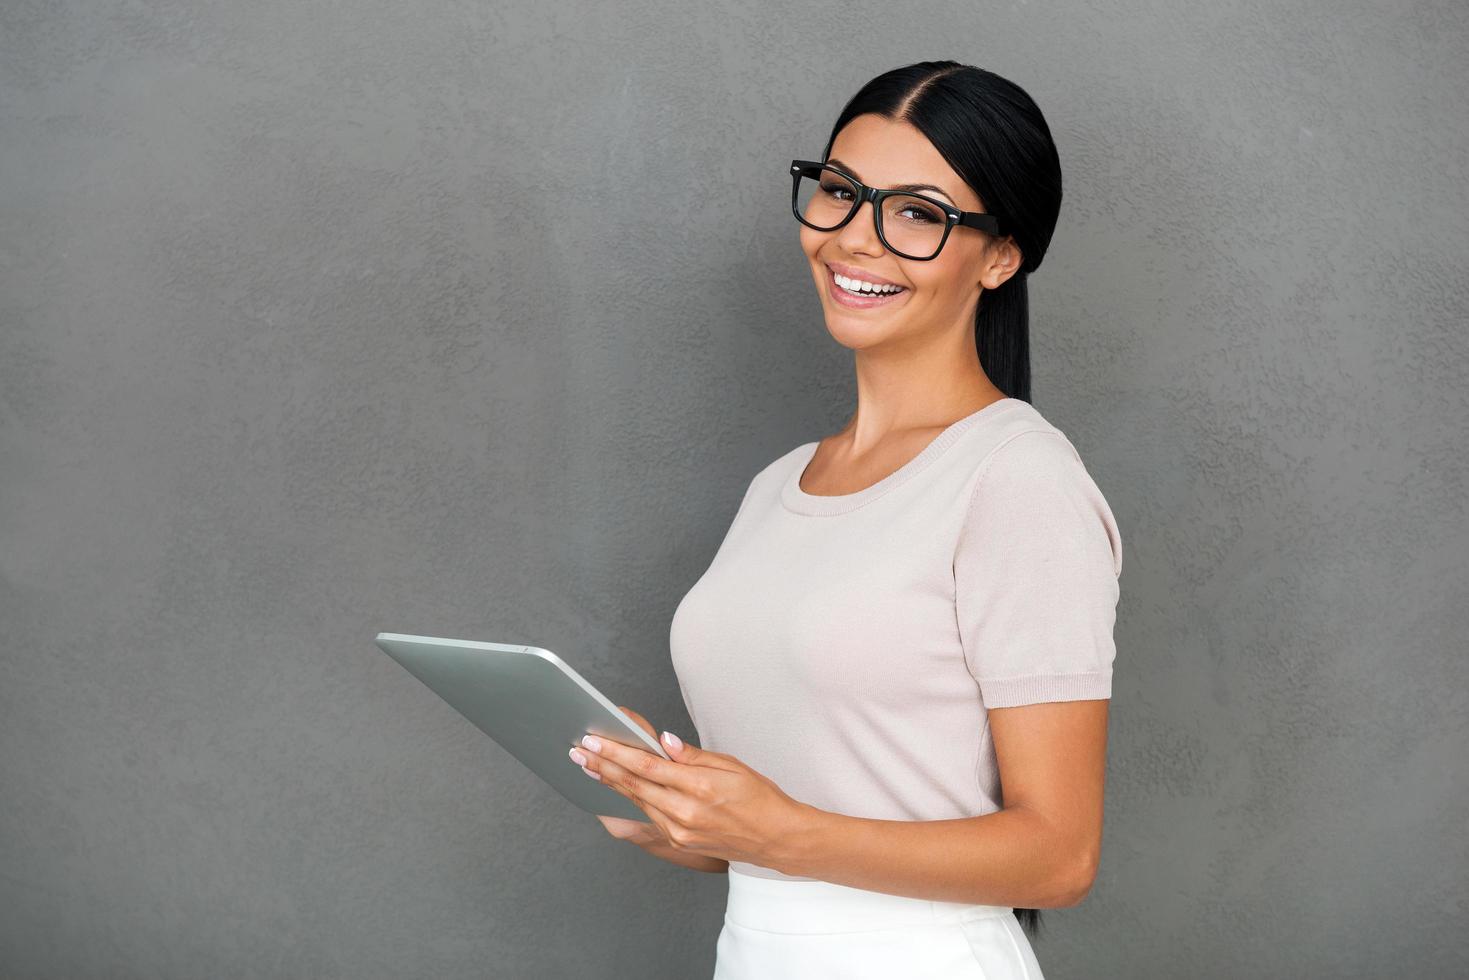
<point>707,802</point>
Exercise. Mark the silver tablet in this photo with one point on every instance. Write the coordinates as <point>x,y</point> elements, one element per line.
<point>531,702</point>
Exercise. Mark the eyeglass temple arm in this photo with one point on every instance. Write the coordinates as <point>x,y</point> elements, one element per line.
<point>980,220</point>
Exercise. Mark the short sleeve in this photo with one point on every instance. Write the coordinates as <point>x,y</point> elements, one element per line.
<point>1036,572</point>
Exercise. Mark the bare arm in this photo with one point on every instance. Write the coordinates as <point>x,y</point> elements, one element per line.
<point>1040,851</point>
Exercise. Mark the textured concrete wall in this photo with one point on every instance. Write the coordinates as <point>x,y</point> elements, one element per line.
<point>323,319</point>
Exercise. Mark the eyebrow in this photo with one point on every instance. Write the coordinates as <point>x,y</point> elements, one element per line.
<point>897,187</point>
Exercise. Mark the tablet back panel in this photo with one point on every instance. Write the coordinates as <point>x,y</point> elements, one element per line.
<point>529,701</point>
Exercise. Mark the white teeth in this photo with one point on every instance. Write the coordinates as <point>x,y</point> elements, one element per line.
<point>859,285</point>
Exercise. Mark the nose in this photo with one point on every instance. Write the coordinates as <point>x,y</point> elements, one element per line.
<point>860,234</point>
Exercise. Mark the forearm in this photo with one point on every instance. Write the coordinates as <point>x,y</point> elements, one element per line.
<point>687,859</point>
<point>1012,858</point>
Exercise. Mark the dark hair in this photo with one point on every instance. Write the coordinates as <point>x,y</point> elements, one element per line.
<point>994,136</point>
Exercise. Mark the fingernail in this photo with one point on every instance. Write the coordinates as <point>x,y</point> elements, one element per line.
<point>595,775</point>
<point>672,741</point>
<point>592,742</point>
<point>578,757</point>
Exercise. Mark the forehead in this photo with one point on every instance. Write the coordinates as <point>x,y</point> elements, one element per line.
<point>886,152</point>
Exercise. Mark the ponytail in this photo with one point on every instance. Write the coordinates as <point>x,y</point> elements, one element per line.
<point>1002,334</point>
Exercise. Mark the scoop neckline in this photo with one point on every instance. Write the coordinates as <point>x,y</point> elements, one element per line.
<point>799,501</point>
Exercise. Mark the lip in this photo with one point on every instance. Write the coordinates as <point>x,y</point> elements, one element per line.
<point>852,272</point>
<point>841,297</point>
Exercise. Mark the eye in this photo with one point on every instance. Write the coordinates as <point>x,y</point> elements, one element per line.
<point>836,190</point>
<point>921,214</point>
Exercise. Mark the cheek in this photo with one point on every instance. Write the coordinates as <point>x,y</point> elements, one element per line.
<point>812,240</point>
<point>944,279</point>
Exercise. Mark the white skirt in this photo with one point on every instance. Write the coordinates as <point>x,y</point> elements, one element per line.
<point>776,929</point>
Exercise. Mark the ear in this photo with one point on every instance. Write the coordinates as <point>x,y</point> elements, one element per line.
<point>1002,260</point>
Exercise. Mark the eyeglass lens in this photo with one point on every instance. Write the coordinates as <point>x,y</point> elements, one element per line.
<point>912,226</point>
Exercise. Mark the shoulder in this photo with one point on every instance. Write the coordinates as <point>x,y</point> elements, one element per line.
<point>779,468</point>
<point>768,480</point>
<point>1031,483</point>
<point>1023,447</point>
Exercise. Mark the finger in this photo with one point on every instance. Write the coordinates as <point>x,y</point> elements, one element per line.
<point>639,761</point>
<point>691,755</point>
<point>622,826</point>
<point>640,832</point>
<point>645,723</point>
<point>639,775</point>
<point>661,820</point>
<point>663,824</point>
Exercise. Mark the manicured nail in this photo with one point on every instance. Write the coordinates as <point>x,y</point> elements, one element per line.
<point>578,758</point>
<point>595,775</point>
<point>592,742</point>
<point>672,741</point>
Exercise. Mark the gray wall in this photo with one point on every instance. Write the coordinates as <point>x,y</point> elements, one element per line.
<point>474,319</point>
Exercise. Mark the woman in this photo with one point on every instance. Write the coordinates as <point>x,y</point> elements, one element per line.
<point>914,612</point>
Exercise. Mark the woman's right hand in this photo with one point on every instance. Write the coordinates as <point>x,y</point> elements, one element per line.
<point>641,832</point>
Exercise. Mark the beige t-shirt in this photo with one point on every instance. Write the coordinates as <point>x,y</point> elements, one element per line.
<point>849,647</point>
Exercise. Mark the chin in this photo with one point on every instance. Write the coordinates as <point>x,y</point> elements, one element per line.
<point>857,333</point>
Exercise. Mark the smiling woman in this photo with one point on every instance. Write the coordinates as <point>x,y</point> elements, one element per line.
<point>899,660</point>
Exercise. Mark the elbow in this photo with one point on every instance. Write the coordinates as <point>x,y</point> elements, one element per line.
<point>1083,876</point>
<point>1074,856</point>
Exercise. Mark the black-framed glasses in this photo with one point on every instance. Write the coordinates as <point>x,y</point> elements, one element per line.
<point>909,224</point>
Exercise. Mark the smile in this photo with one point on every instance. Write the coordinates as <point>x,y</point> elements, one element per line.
<point>847,292</point>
